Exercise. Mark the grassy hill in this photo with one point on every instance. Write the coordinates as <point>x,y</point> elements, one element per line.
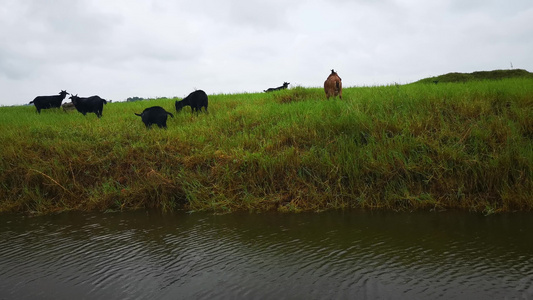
<point>417,146</point>
<point>480,75</point>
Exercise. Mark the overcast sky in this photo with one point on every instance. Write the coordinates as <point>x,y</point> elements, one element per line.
<point>156,48</point>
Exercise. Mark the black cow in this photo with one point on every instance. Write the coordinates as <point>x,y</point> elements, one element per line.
<point>284,86</point>
<point>196,100</point>
<point>45,102</point>
<point>155,115</point>
<point>93,104</point>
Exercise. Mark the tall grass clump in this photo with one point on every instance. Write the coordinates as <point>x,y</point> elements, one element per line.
<point>402,147</point>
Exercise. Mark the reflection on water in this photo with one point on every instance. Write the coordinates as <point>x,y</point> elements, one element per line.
<point>341,255</point>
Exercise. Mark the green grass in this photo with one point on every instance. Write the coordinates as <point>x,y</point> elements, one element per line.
<point>401,147</point>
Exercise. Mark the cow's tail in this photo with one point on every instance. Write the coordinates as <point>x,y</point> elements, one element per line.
<point>337,85</point>
<point>170,114</point>
<point>140,115</point>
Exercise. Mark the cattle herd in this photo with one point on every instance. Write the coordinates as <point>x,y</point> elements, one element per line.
<point>156,114</point>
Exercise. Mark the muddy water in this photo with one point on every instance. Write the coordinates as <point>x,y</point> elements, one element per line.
<point>331,255</point>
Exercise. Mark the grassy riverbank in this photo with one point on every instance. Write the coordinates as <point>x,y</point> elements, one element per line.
<point>403,147</point>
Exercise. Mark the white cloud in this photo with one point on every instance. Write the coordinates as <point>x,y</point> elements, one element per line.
<point>123,48</point>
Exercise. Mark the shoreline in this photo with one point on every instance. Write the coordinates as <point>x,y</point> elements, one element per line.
<point>407,147</point>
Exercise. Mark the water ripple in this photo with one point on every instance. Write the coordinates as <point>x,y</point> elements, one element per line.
<point>140,255</point>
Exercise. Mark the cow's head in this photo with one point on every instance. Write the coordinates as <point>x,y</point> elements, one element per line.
<point>179,105</point>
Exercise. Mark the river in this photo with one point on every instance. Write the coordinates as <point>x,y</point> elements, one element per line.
<point>328,255</point>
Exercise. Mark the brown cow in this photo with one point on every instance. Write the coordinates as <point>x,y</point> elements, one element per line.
<point>333,85</point>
